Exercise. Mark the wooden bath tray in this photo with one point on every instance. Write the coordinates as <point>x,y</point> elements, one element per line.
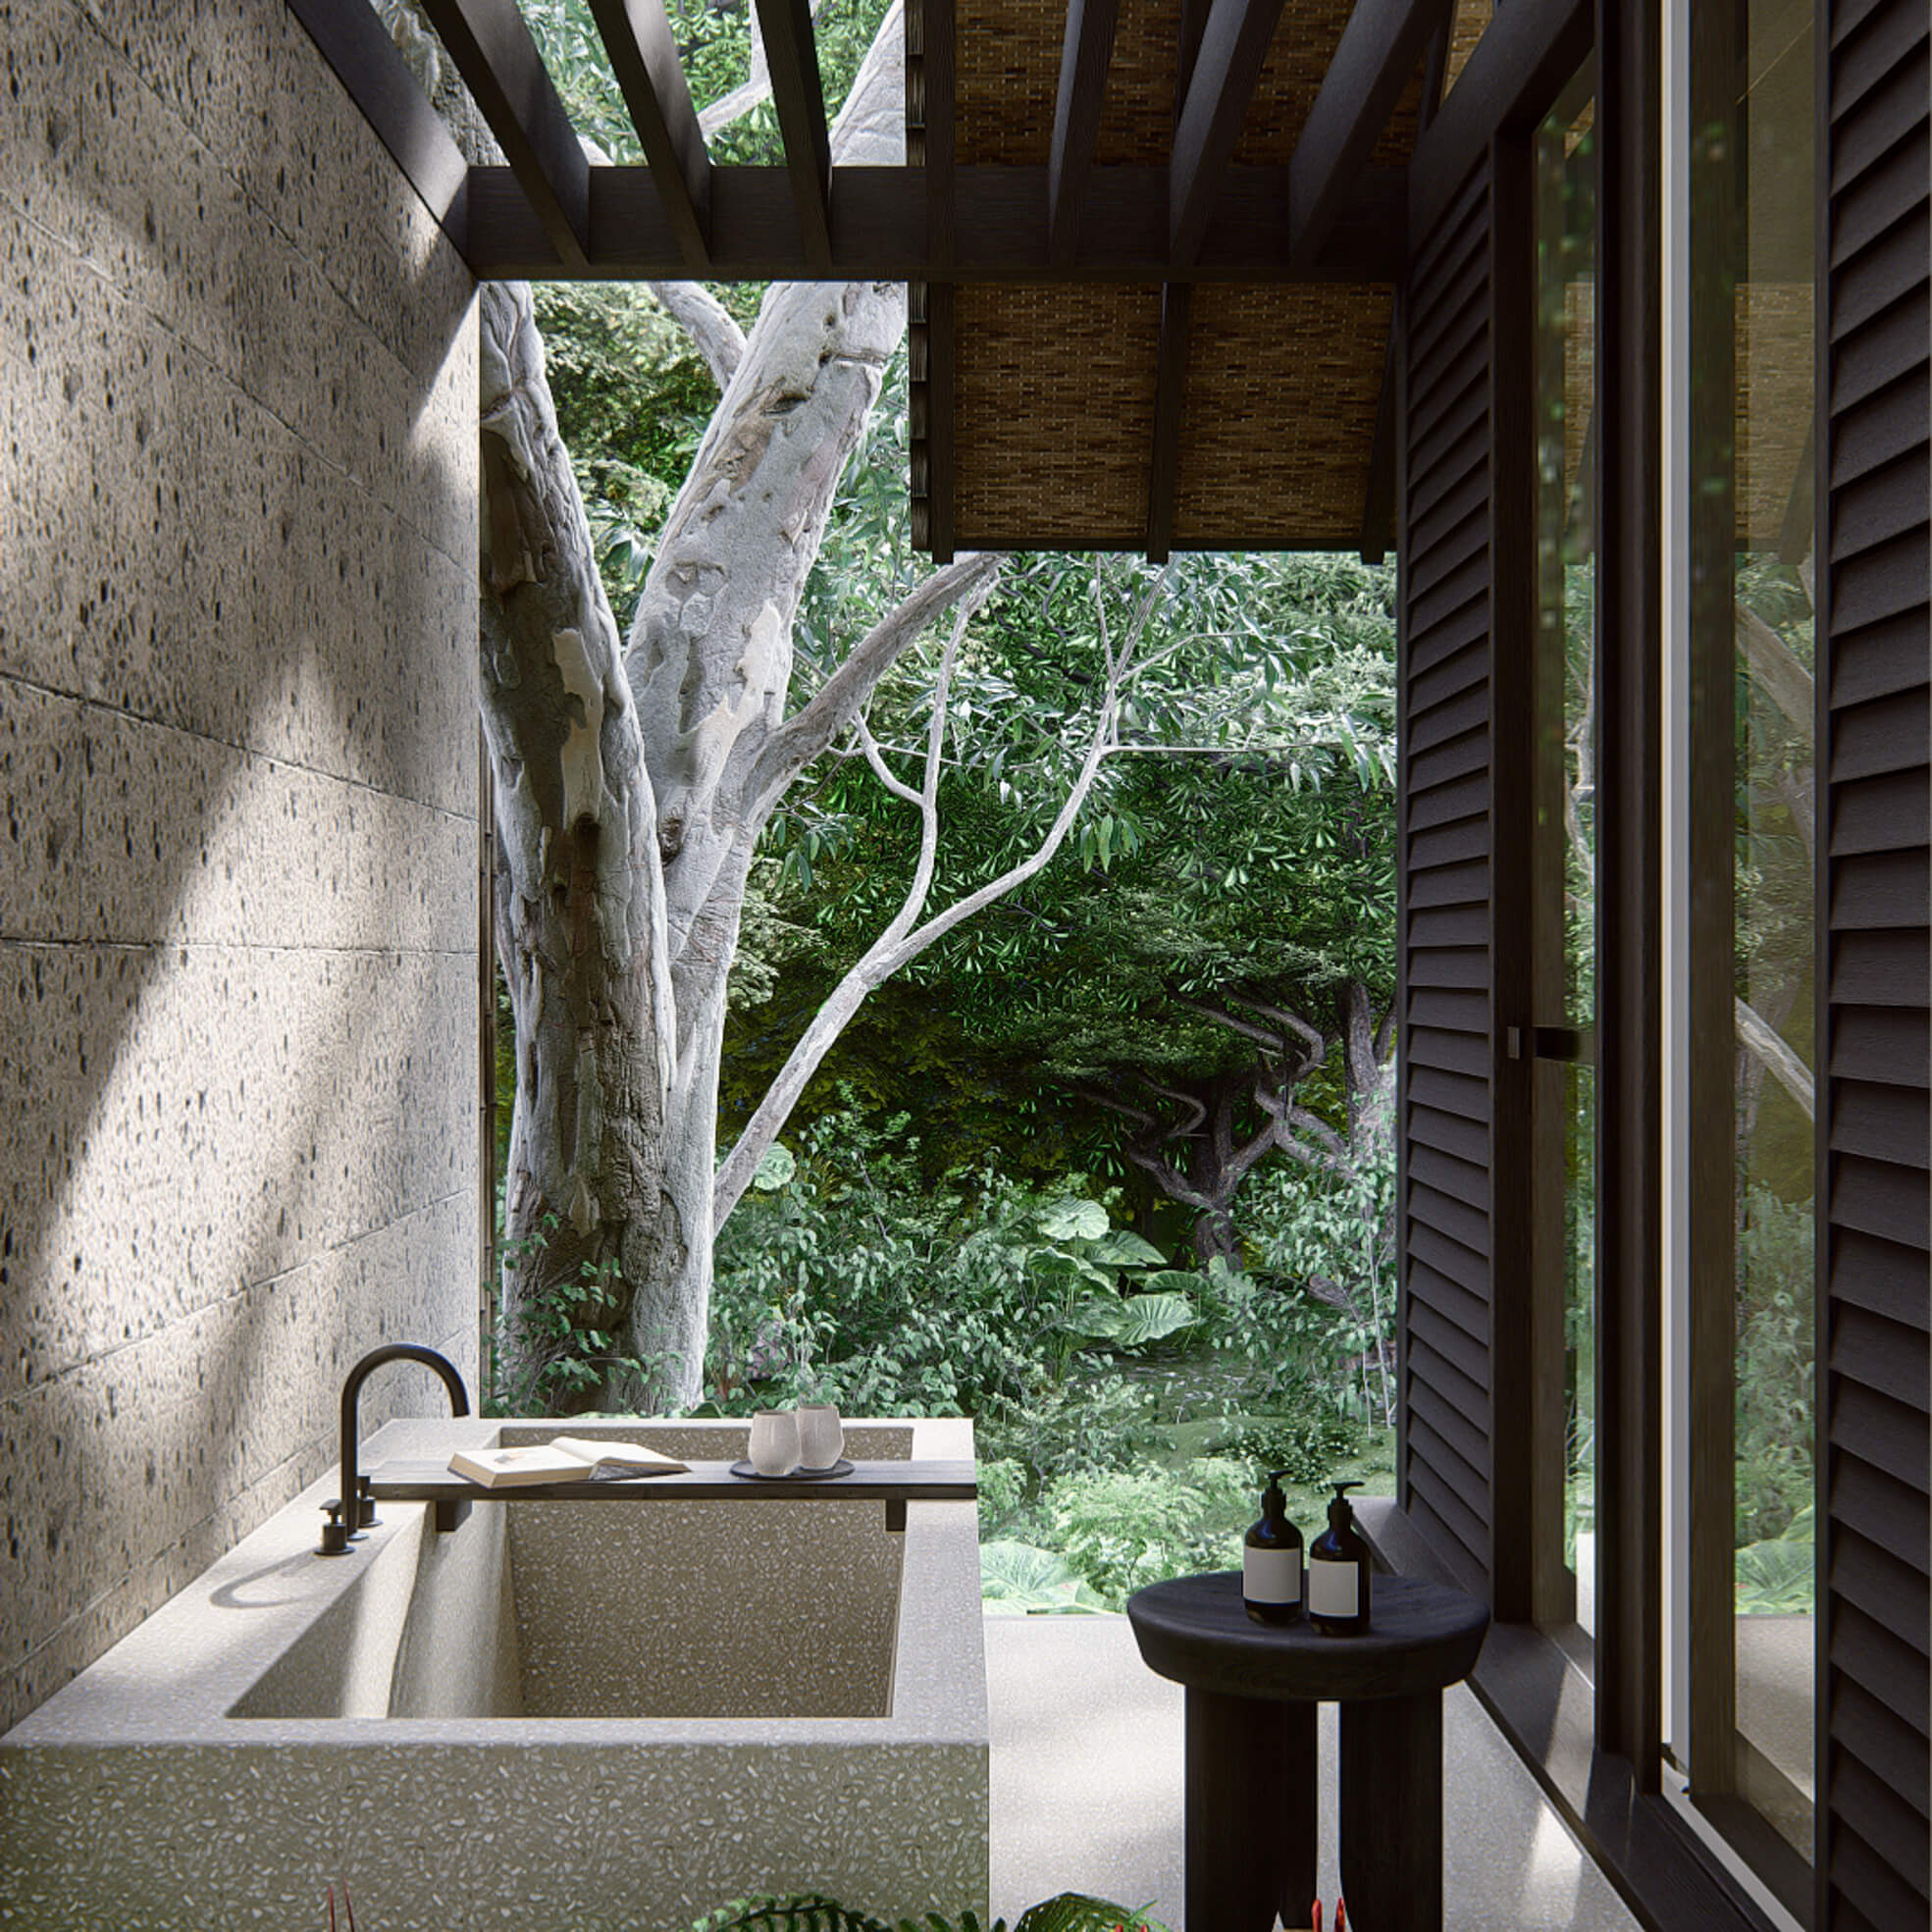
<point>895,1484</point>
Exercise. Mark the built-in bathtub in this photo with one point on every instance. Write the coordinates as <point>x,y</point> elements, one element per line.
<point>559,1717</point>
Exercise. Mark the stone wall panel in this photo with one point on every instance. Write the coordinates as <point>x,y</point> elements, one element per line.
<point>237,759</point>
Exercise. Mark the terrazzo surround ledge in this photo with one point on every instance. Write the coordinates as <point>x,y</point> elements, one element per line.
<point>558,1716</point>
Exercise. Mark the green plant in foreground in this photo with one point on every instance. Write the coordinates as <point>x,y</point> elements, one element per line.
<point>811,1911</point>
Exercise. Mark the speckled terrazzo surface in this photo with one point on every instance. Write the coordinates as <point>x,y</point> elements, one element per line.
<point>238,796</point>
<point>144,1795</point>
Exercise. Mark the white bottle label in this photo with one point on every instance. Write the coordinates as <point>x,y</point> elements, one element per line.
<point>1271,1575</point>
<point>1333,1590</point>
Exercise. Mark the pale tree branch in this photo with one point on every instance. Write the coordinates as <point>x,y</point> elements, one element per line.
<point>1769,1048</point>
<point>753,89</point>
<point>735,1174</point>
<point>903,940</point>
<point>837,702</point>
<point>882,772</point>
<point>1775,668</point>
<point>711,326</point>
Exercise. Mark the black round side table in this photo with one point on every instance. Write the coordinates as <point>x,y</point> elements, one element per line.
<point>1251,1753</point>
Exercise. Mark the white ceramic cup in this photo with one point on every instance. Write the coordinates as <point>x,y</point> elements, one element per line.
<point>822,1440</point>
<point>775,1441</point>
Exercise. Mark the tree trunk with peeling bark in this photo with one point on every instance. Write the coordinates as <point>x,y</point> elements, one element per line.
<point>579,899</point>
<point>631,794</point>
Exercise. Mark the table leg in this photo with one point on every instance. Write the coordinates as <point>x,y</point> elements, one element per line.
<point>1251,1768</point>
<point>1392,1814</point>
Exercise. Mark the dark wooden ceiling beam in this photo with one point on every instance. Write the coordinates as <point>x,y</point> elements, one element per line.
<point>1379,49</point>
<point>1233,45</point>
<point>879,221</point>
<point>1084,63</point>
<point>355,43</point>
<point>502,70</point>
<point>791,53</point>
<point>643,58</point>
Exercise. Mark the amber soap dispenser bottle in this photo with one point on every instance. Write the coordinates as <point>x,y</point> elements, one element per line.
<point>1338,1572</point>
<point>1270,1560</point>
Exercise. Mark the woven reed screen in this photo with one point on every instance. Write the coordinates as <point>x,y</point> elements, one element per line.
<point>1054,390</point>
<point>1283,388</point>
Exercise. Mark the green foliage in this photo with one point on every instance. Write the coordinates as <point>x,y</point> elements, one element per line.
<point>1306,1446</point>
<point>1122,1528</point>
<point>811,1911</point>
<point>566,1340</point>
<point>1776,1380</point>
<point>1023,1580</point>
<point>1779,1577</point>
<point>1002,1490</point>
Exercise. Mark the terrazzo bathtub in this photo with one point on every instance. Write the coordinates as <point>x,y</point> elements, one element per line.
<point>561,1717</point>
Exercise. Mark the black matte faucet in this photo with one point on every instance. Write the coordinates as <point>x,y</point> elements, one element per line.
<point>352,1509</point>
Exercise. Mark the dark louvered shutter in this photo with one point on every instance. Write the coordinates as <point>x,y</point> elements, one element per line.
<point>1876,1227</point>
<point>1447,846</point>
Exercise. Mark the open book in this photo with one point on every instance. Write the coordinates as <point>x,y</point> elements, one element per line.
<point>562,1459</point>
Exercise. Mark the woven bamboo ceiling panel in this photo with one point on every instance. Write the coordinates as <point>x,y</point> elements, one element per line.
<point>1055,387</point>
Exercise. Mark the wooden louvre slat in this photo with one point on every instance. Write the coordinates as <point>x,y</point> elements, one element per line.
<point>1873,1578</point>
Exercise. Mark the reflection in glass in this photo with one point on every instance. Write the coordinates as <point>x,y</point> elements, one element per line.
<point>1565,216</point>
<point>1772,914</point>
<point>1751,563</point>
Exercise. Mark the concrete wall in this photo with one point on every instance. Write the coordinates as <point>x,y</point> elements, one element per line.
<point>237,853</point>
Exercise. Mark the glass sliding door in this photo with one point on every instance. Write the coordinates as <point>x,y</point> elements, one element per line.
<point>1564,847</point>
<point>1741,1732</point>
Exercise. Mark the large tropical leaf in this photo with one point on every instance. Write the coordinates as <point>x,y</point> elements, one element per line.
<point>1777,1578</point>
<point>1121,1247</point>
<point>1036,1582</point>
<point>1074,1911</point>
<point>1075,1220</point>
<point>1132,1321</point>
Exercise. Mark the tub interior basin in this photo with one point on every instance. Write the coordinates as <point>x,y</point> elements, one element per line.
<point>743,1609</point>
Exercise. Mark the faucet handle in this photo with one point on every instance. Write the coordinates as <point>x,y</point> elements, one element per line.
<point>335,1532</point>
<point>365,1504</point>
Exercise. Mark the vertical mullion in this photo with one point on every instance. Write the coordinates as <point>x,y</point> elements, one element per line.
<point>1629,883</point>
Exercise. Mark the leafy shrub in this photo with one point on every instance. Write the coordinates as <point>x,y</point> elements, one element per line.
<point>1124,1529</point>
<point>811,1911</point>
<point>1776,1343</point>
<point>1307,1447</point>
<point>1002,1491</point>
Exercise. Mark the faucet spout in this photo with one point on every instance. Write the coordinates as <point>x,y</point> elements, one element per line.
<point>357,1510</point>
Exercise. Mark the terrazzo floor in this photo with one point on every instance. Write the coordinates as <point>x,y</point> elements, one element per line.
<point>1086,1793</point>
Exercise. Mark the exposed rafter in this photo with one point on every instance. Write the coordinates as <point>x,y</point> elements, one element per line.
<point>1379,49</point>
<point>502,70</point>
<point>881,231</point>
<point>643,57</point>
<point>1233,45</point>
<point>1083,61</point>
<point>791,53</point>
<point>353,42</point>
